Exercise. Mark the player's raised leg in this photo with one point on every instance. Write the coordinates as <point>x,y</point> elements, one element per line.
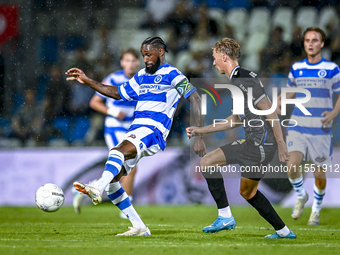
<point>296,179</point>
<point>225,219</point>
<point>319,193</point>
<point>249,191</point>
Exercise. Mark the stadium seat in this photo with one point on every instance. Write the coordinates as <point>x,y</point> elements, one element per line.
<point>306,17</point>
<point>182,60</point>
<point>130,38</point>
<point>255,43</point>
<point>251,62</point>
<point>217,15</point>
<point>237,18</point>
<point>327,16</point>
<point>259,21</point>
<point>283,17</point>
<point>130,18</point>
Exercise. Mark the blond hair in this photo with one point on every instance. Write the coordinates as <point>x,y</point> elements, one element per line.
<point>228,46</point>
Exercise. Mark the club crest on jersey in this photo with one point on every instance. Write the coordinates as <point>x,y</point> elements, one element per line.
<point>322,73</point>
<point>133,136</point>
<point>158,79</point>
<point>300,73</point>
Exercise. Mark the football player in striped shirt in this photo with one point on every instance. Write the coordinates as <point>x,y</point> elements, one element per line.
<point>157,89</point>
<point>119,116</point>
<point>310,139</point>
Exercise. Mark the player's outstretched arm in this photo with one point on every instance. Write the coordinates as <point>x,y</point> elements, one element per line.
<point>79,75</point>
<point>231,122</point>
<point>199,145</point>
<point>265,104</point>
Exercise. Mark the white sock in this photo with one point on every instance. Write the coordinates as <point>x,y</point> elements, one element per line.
<point>283,232</point>
<point>119,197</point>
<point>104,181</point>
<point>298,187</point>
<point>318,197</point>
<point>225,212</point>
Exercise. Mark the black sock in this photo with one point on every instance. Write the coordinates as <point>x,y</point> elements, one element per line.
<point>266,210</point>
<point>217,190</point>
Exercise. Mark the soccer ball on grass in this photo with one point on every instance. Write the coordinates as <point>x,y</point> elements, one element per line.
<point>49,197</point>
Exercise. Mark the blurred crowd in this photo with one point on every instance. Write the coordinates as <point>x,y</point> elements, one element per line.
<point>48,110</point>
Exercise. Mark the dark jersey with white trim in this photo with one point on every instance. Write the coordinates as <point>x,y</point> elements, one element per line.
<point>259,131</point>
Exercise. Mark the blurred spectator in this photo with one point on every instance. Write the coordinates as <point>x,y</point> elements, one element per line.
<point>158,12</point>
<point>296,46</point>
<point>272,54</point>
<point>101,44</point>
<point>27,122</point>
<point>104,65</point>
<point>55,102</point>
<point>56,95</point>
<point>204,22</point>
<point>181,21</point>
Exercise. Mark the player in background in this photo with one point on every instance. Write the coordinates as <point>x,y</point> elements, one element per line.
<point>157,89</point>
<point>311,138</point>
<point>119,116</point>
<point>258,149</point>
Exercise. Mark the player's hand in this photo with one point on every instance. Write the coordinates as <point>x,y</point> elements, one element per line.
<point>283,152</point>
<point>76,74</point>
<point>329,116</point>
<point>199,147</point>
<point>192,131</point>
<point>121,115</point>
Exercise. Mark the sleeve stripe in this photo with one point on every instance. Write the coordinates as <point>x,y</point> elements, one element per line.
<point>123,93</point>
<point>259,99</point>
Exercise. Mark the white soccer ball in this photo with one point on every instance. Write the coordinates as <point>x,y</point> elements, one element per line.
<point>49,197</point>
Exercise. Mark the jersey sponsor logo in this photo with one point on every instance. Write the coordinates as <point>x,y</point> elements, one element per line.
<point>158,79</point>
<point>322,73</point>
<point>318,159</point>
<point>141,145</point>
<point>133,136</point>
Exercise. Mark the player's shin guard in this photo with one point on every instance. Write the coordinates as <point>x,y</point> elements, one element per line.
<point>216,188</point>
<point>266,210</point>
<point>119,197</point>
<point>112,168</point>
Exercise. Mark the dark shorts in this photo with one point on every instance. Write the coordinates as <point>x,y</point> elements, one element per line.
<point>250,158</point>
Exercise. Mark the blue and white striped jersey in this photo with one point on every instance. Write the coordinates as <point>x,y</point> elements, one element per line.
<point>157,97</point>
<point>117,79</point>
<point>321,79</point>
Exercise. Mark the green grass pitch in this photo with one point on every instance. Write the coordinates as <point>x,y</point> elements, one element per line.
<point>175,230</point>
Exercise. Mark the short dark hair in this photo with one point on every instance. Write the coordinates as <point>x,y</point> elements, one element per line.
<point>130,51</point>
<point>315,29</point>
<point>155,41</point>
